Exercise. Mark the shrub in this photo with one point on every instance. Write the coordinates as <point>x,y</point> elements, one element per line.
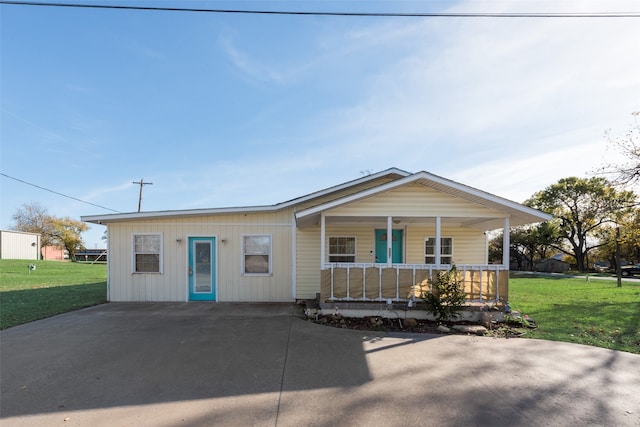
<point>446,297</point>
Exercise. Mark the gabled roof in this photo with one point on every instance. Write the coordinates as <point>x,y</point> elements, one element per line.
<point>392,173</point>
<point>518,213</point>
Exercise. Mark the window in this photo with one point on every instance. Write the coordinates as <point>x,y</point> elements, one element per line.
<point>147,253</point>
<point>342,249</point>
<point>446,250</point>
<point>256,254</point>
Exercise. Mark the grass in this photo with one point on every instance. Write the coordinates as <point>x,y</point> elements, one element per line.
<point>54,287</point>
<point>594,312</point>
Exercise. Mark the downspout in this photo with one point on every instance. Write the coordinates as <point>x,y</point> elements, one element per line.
<point>294,255</point>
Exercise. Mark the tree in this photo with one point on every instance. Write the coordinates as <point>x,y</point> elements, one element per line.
<point>34,218</point>
<point>68,234</point>
<point>581,206</point>
<point>62,232</point>
<point>629,146</point>
<point>528,244</point>
<point>628,228</point>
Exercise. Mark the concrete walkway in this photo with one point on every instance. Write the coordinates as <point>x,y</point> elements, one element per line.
<point>200,364</point>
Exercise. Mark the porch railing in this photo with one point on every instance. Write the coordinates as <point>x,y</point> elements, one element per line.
<point>404,282</point>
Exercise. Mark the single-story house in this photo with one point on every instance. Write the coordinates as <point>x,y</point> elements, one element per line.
<point>552,265</point>
<point>375,238</point>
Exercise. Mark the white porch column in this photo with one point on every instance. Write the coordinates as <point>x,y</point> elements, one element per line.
<point>389,240</point>
<point>505,243</point>
<point>438,248</point>
<point>322,240</point>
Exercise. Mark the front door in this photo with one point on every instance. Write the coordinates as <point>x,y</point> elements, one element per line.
<point>396,246</point>
<point>202,268</point>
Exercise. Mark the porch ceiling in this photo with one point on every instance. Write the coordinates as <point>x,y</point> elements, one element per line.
<point>481,224</point>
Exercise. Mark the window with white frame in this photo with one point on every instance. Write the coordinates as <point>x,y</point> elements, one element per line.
<point>147,253</point>
<point>256,254</point>
<point>342,249</point>
<point>446,250</point>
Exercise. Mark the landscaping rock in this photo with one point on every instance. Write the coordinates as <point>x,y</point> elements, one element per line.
<point>375,321</point>
<point>471,329</point>
<point>410,322</point>
<point>444,329</point>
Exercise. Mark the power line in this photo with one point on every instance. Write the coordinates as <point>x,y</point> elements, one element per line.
<point>59,194</point>
<point>362,14</point>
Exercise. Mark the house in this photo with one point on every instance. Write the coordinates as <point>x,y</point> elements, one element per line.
<point>375,238</point>
<point>552,265</point>
<point>19,245</point>
<point>54,253</point>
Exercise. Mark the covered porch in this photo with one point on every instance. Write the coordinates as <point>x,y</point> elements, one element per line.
<point>384,243</point>
<point>393,276</point>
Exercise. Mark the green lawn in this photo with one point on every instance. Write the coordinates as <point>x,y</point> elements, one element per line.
<point>573,310</point>
<point>54,287</point>
<point>594,312</point>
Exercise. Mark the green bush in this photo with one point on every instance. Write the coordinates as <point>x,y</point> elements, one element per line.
<point>446,297</point>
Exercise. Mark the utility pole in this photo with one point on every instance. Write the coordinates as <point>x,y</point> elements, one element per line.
<point>141,183</point>
<point>618,270</point>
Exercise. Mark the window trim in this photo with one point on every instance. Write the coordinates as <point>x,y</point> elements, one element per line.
<point>243,254</point>
<point>134,253</point>
<point>426,239</point>
<point>355,248</point>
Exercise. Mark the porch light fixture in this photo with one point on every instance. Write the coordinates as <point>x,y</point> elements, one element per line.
<point>179,240</point>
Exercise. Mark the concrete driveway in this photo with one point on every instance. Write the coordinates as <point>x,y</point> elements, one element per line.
<point>200,364</point>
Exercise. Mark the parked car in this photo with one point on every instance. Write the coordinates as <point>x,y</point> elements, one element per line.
<point>630,270</point>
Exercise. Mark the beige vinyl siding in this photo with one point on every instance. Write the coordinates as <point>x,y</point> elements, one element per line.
<point>415,201</point>
<point>342,193</point>
<point>469,245</point>
<point>232,285</point>
<point>365,240</point>
<point>308,262</point>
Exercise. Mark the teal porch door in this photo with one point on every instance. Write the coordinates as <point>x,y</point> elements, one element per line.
<point>202,268</point>
<point>396,246</point>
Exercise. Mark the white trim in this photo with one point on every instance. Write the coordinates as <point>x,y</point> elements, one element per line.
<point>323,232</point>
<point>506,243</point>
<point>242,253</point>
<point>438,250</point>
<point>389,240</point>
<point>109,264</point>
<point>342,236</point>
<point>216,267</point>
<point>133,253</point>
<point>294,260</point>
<point>440,184</point>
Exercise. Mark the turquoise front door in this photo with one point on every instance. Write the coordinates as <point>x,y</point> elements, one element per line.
<point>396,246</point>
<point>202,268</point>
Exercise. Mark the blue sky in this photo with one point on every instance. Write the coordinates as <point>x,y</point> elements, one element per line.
<point>236,110</point>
